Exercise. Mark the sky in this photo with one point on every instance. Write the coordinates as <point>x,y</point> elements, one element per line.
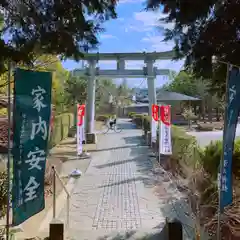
<point>135,30</point>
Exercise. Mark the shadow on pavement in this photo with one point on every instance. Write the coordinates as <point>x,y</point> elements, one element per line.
<point>132,235</point>
<point>133,140</point>
<point>111,164</point>
<point>109,149</point>
<point>128,180</point>
<point>126,126</point>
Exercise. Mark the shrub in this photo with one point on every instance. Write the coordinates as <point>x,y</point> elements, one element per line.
<point>103,118</point>
<point>146,123</point>
<point>3,193</point>
<point>131,114</point>
<point>3,112</point>
<point>138,119</point>
<point>205,127</point>
<point>184,147</point>
<point>61,126</point>
<point>211,155</point>
<point>188,114</point>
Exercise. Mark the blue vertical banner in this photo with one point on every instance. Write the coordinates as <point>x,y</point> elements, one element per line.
<point>31,120</point>
<point>230,125</point>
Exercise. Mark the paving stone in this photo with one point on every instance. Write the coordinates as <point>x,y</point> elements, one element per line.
<point>121,189</point>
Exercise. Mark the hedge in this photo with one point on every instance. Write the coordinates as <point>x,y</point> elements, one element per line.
<point>205,127</point>
<point>61,126</point>
<point>211,155</point>
<point>138,119</point>
<point>103,117</point>
<point>184,146</point>
<point>3,193</point>
<point>131,114</point>
<point>185,151</point>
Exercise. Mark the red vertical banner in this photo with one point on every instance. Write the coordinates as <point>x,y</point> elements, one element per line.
<point>165,143</point>
<point>155,110</point>
<point>165,112</point>
<point>81,113</point>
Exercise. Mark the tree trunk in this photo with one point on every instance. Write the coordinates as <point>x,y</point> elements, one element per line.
<point>217,114</point>
<point>203,110</point>
<point>210,119</point>
<point>195,109</point>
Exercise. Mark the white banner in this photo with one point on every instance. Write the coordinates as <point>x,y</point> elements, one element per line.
<point>153,131</point>
<point>83,130</point>
<point>79,139</point>
<point>165,143</point>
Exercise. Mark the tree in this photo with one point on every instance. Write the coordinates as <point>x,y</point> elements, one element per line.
<point>65,28</point>
<point>182,83</point>
<point>48,63</point>
<point>75,90</point>
<point>123,93</point>
<point>187,83</point>
<point>203,29</point>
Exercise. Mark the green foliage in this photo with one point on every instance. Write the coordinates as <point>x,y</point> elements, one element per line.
<point>183,83</point>
<point>48,28</point>
<point>188,114</point>
<point>103,118</point>
<point>146,123</point>
<point>107,87</point>
<point>3,193</point>
<point>185,149</point>
<point>75,90</point>
<point>204,127</point>
<point>131,114</point>
<point>61,126</point>
<point>188,84</point>
<point>3,112</point>
<point>211,155</point>
<point>141,120</point>
<point>198,34</point>
<point>138,119</point>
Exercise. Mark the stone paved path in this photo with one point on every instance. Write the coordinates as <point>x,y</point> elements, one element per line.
<point>120,190</point>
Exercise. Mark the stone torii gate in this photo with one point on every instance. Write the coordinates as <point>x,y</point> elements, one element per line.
<point>149,71</point>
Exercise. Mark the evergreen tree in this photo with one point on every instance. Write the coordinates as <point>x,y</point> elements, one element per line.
<point>203,29</point>
<point>66,28</point>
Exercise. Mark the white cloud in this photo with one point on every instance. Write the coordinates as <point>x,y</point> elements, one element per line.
<point>108,36</point>
<point>157,44</point>
<point>169,64</point>
<point>108,64</point>
<point>147,21</point>
<point>120,19</point>
<point>134,64</point>
<point>152,19</point>
<point>136,28</point>
<point>129,1</point>
<point>152,39</point>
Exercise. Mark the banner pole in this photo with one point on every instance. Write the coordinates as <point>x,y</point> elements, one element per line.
<point>219,235</point>
<point>9,154</point>
<point>54,192</point>
<point>159,134</point>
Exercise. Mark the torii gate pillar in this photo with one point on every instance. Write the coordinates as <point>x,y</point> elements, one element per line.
<point>151,82</point>
<point>90,104</point>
